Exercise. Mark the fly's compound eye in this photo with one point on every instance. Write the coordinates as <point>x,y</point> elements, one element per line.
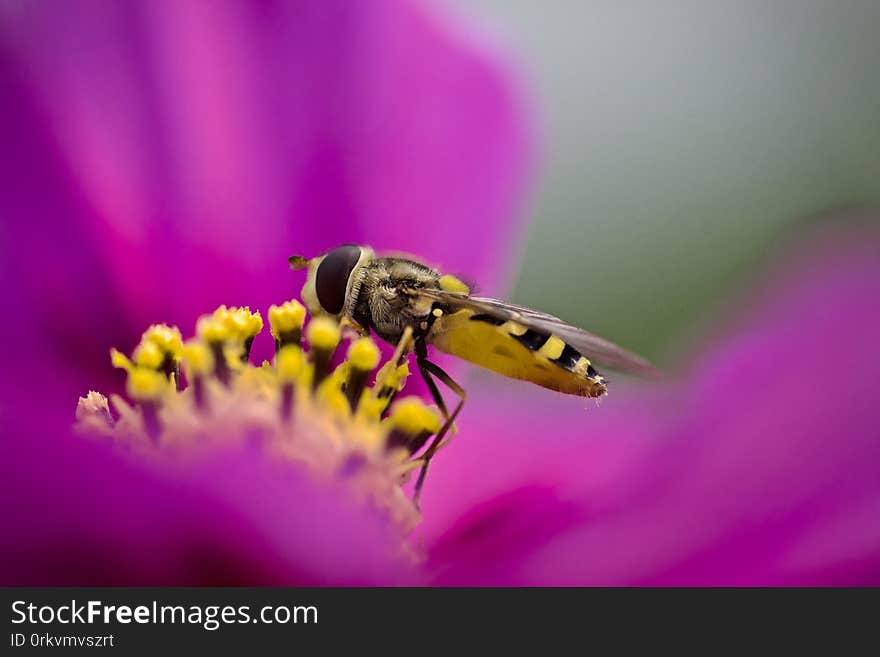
<point>331,279</point>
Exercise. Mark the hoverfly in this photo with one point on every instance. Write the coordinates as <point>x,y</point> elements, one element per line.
<point>408,303</point>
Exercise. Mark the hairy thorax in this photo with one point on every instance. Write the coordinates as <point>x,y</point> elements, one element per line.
<point>383,303</point>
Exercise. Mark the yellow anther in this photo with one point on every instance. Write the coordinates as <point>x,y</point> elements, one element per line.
<point>289,362</point>
<point>371,408</point>
<point>363,354</point>
<point>148,354</point>
<point>233,353</point>
<point>257,381</point>
<point>450,283</point>
<point>212,328</point>
<point>255,324</point>
<point>323,334</point>
<point>120,360</point>
<point>146,384</point>
<point>197,358</point>
<point>334,400</point>
<point>167,338</point>
<point>287,317</point>
<point>341,374</point>
<point>302,408</point>
<point>226,324</point>
<point>242,323</point>
<point>413,417</point>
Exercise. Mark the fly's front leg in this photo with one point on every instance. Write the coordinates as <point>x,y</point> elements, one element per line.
<point>386,390</point>
<point>428,371</point>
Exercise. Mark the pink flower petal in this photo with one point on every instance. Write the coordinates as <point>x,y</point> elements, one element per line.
<point>163,158</point>
<point>76,513</point>
<point>761,468</point>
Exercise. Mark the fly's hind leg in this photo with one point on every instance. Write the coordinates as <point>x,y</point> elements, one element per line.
<point>429,370</point>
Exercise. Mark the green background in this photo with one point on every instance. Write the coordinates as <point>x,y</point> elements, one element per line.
<point>682,144</point>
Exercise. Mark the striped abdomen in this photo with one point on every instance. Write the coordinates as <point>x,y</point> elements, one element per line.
<point>517,352</point>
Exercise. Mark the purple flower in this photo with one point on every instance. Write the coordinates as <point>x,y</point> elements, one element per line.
<point>168,159</point>
<point>165,158</point>
<point>759,467</point>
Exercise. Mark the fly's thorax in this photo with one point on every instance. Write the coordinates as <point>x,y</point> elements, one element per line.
<point>383,299</point>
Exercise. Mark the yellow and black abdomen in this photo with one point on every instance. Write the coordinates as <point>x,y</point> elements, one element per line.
<point>516,351</point>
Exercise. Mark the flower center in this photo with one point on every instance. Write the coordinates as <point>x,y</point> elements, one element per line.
<point>329,421</point>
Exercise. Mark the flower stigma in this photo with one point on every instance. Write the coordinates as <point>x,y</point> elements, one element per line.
<point>345,424</point>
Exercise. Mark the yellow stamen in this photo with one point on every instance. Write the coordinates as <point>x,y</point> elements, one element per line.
<point>149,355</point>
<point>370,408</point>
<point>197,359</point>
<point>413,417</point>
<point>167,338</point>
<point>120,360</point>
<point>289,363</point>
<point>242,323</point>
<point>323,334</point>
<point>334,400</point>
<point>286,318</point>
<point>212,329</point>
<point>145,384</point>
<point>234,353</point>
<point>412,423</point>
<point>363,354</point>
<point>299,406</point>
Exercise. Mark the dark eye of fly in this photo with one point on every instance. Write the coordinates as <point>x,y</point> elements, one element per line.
<point>331,278</point>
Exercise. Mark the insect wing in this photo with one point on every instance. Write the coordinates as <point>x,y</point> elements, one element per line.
<point>587,343</point>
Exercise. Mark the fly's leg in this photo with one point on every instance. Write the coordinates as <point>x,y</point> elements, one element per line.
<point>429,370</point>
<point>387,392</point>
<point>403,345</point>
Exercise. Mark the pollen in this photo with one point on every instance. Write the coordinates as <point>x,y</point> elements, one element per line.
<point>323,333</point>
<point>145,384</point>
<point>286,318</point>
<point>346,425</point>
<point>363,354</point>
<point>198,359</point>
<point>166,338</point>
<point>149,355</point>
<point>413,417</point>
<point>243,323</point>
<point>289,363</point>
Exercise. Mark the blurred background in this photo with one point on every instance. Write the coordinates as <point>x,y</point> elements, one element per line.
<point>683,143</point>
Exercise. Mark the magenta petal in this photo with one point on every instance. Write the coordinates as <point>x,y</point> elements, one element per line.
<point>762,468</point>
<point>163,158</point>
<point>75,513</point>
<point>166,157</point>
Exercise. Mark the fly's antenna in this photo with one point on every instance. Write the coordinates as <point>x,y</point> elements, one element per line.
<point>298,262</point>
